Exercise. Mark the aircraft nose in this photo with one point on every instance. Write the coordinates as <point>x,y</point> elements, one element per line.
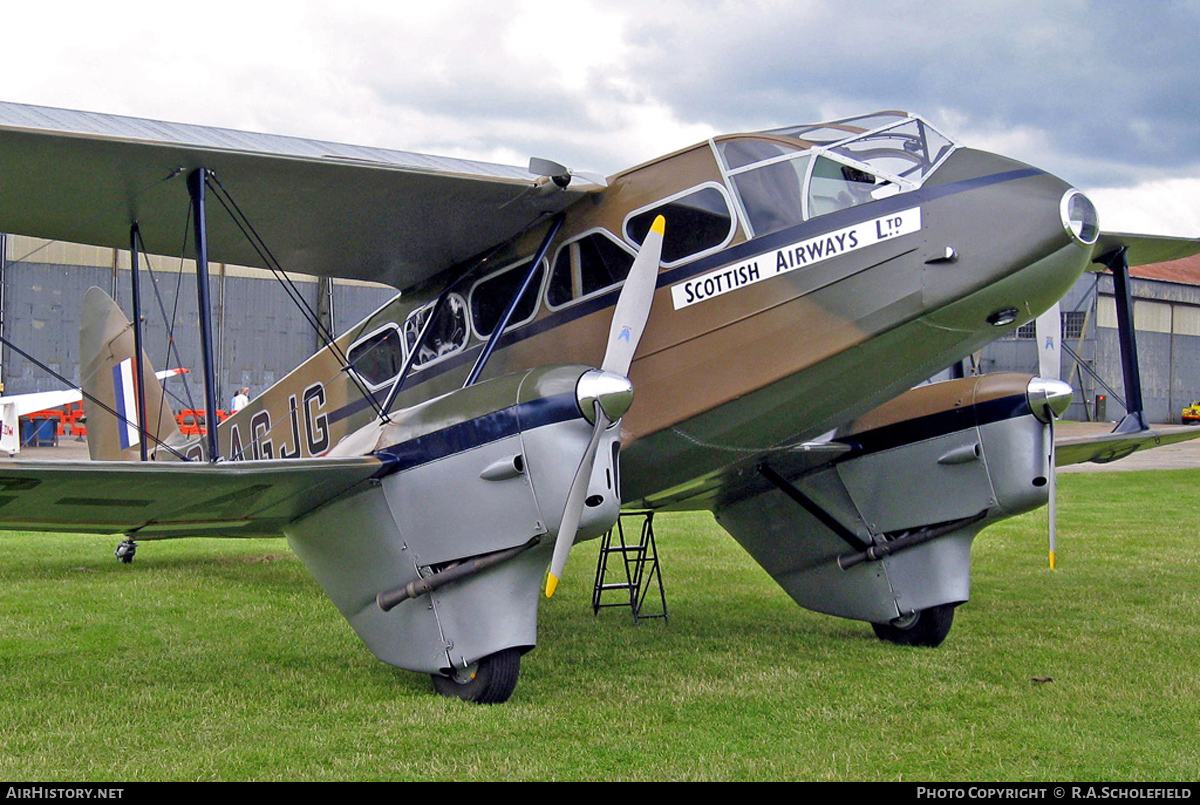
<point>1079,217</point>
<point>1005,241</point>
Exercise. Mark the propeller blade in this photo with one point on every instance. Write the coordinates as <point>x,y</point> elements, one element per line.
<point>1049,398</point>
<point>561,175</point>
<point>1048,330</point>
<point>633,307</point>
<point>573,509</point>
<point>547,167</point>
<point>628,324</point>
<point>1052,502</point>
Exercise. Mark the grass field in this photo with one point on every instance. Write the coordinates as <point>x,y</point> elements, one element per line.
<point>222,660</point>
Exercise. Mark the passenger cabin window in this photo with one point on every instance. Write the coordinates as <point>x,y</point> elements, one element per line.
<point>379,357</point>
<point>586,266</point>
<point>698,221</point>
<point>491,296</point>
<point>446,336</point>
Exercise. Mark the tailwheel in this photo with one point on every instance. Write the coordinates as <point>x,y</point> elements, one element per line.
<point>927,627</point>
<point>126,550</point>
<point>489,681</point>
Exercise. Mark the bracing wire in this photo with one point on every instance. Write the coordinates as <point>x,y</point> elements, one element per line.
<point>242,221</point>
<point>169,321</point>
<point>91,398</point>
<point>171,348</point>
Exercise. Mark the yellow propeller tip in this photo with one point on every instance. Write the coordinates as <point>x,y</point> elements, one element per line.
<point>1052,558</point>
<point>659,225</point>
<point>551,584</point>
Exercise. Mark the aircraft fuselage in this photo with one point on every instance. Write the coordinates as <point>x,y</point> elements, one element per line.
<point>767,327</point>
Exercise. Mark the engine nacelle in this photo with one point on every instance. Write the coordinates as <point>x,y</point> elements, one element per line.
<point>886,529</point>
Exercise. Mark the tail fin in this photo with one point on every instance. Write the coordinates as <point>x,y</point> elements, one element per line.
<point>109,401</point>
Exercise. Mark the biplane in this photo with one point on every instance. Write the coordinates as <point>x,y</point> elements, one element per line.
<point>773,297</point>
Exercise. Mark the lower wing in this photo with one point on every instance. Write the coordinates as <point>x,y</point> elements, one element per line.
<point>166,500</point>
<point>1113,446</point>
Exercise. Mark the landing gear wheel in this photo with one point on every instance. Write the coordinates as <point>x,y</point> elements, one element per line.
<point>126,550</point>
<point>489,681</point>
<point>928,627</point>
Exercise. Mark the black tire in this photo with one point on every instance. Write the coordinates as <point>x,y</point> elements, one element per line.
<point>928,627</point>
<point>490,681</point>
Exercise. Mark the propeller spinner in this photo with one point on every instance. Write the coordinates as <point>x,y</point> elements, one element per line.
<point>607,393</point>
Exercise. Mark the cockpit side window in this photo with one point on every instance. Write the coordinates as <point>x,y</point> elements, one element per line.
<point>745,151</point>
<point>447,335</point>
<point>835,186</point>
<point>587,265</point>
<point>831,167</point>
<point>699,221</point>
<point>773,195</point>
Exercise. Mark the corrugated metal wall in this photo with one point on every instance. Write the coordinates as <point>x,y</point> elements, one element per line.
<point>1167,319</point>
<point>260,333</point>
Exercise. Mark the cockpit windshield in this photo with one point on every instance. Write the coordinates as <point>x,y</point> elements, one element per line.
<point>788,175</point>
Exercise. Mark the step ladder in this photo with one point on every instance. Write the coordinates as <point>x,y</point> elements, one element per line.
<point>634,564</point>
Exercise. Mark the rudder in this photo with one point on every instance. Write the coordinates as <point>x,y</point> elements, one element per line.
<point>106,349</point>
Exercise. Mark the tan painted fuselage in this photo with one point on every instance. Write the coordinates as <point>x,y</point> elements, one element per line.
<point>752,342</point>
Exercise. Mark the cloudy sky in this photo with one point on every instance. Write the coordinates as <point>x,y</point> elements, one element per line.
<point>1105,94</point>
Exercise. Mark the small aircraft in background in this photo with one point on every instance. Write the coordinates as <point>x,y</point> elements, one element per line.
<point>15,406</point>
<point>773,297</point>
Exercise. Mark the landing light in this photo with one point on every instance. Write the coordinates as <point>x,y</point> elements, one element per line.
<point>1079,217</point>
<point>1003,317</point>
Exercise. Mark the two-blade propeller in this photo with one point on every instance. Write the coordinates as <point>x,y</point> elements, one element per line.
<point>628,324</point>
<point>1048,331</point>
<point>561,175</point>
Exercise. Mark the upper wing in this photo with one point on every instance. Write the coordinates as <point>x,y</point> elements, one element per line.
<point>158,500</point>
<point>1146,249</point>
<point>321,208</point>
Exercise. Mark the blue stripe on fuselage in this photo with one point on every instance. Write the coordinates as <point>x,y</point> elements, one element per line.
<point>480,431</point>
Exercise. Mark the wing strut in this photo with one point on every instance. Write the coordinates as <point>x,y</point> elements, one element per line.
<point>196,182</point>
<point>516,300</point>
<point>809,505</point>
<point>139,387</point>
<point>1135,418</point>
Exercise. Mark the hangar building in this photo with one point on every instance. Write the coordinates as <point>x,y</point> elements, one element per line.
<point>259,333</point>
<point>1167,319</point>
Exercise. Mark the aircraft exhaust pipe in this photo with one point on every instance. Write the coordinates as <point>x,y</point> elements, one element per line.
<point>877,552</point>
<point>392,598</point>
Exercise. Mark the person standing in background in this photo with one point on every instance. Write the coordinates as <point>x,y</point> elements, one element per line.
<point>239,400</point>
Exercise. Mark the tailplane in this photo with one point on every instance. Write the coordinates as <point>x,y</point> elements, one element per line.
<point>108,369</point>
